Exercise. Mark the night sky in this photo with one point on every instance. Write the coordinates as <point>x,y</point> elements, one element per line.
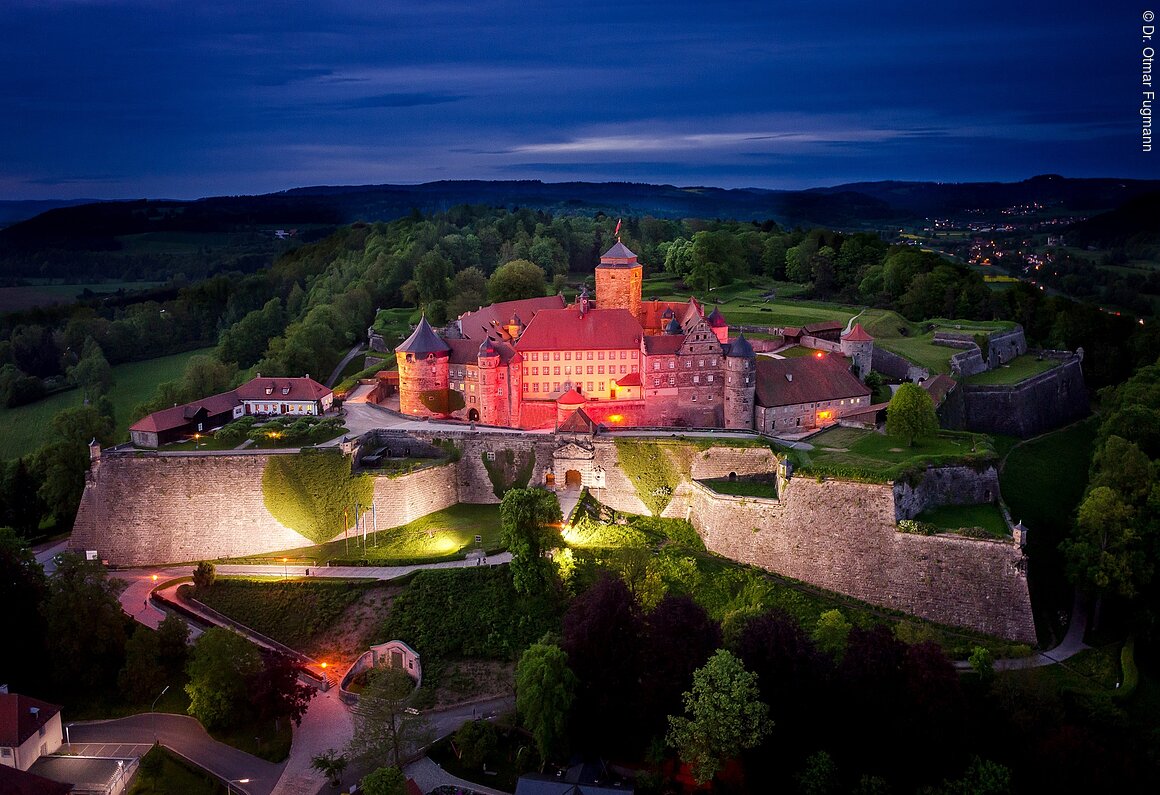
<point>112,99</point>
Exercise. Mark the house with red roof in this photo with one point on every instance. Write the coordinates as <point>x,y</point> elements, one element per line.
<point>29,729</point>
<point>799,394</point>
<point>261,396</point>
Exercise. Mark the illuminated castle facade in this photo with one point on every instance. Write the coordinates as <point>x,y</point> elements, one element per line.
<point>623,361</point>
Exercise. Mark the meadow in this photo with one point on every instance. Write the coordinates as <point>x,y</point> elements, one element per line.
<point>25,428</point>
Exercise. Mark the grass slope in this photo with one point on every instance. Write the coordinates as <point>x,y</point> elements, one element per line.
<point>875,457</point>
<point>25,428</point>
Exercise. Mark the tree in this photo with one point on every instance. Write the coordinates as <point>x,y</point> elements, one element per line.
<point>173,643</point>
<point>330,764</point>
<point>1106,552</point>
<point>515,280</point>
<point>143,675</point>
<point>204,575</point>
<point>680,637</point>
<point>383,729</point>
<point>92,372</point>
<point>723,715</point>
<point>23,589</point>
<point>384,781</point>
<point>221,667</point>
<point>910,414</point>
<point>820,775</point>
<point>982,663</point>
<point>524,516</point>
<point>477,741</point>
<point>275,691</point>
<point>84,621</point>
<point>831,632</point>
<point>545,690</point>
<point>468,292</point>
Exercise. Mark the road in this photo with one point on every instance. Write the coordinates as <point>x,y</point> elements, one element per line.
<point>183,735</point>
<point>355,351</point>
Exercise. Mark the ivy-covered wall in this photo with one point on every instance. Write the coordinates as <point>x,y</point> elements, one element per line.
<point>313,493</point>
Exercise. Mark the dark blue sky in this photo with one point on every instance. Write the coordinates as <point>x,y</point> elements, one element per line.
<point>128,98</point>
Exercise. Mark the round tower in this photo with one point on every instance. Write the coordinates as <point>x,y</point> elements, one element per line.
<point>740,383</point>
<point>487,383</point>
<point>618,280</point>
<point>423,372</point>
<point>858,346</point>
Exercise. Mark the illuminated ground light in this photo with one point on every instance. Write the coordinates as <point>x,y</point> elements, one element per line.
<point>825,415</point>
<point>616,418</point>
<point>569,534</point>
<point>819,354</point>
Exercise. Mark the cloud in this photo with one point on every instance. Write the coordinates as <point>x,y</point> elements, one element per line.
<point>400,100</point>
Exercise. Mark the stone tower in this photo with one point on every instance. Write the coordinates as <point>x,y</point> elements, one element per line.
<point>488,384</point>
<point>858,346</point>
<point>618,279</point>
<point>740,383</point>
<point>423,372</point>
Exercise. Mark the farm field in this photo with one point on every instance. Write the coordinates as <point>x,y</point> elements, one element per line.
<point>25,428</point>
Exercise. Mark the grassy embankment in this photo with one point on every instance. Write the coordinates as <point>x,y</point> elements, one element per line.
<point>874,457</point>
<point>25,428</point>
<point>915,341</point>
<point>1018,369</point>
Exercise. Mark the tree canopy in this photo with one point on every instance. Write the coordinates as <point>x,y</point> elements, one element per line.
<point>910,414</point>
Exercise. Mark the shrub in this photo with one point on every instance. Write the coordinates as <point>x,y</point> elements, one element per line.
<point>312,491</point>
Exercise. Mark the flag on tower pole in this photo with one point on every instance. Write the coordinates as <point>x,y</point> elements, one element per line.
<point>617,232</point>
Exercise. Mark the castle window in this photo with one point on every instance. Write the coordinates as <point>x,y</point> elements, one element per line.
<point>633,355</point>
<point>567,356</point>
<point>623,354</point>
<point>471,399</point>
<point>536,387</point>
<point>490,455</point>
<point>556,370</point>
<point>269,390</point>
<point>672,380</point>
<point>656,382</point>
<point>556,386</point>
<point>696,379</point>
<point>567,370</point>
<point>714,361</point>
<point>535,371</point>
<point>556,356</point>
<point>589,356</point>
<point>525,369</point>
<point>600,387</point>
<point>689,364</point>
<point>623,369</point>
<point>589,386</point>
<point>694,398</point>
<point>285,390</point>
<point>535,356</point>
<point>525,387</point>
<point>579,356</point>
<point>656,365</point>
<point>709,378</point>
<point>590,368</point>
<point>672,363</point>
<point>600,355</point>
<point>600,370</point>
<point>700,362</point>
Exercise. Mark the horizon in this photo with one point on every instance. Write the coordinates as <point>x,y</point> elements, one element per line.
<point>123,99</point>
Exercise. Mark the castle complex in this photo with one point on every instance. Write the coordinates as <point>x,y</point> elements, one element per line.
<point>622,361</point>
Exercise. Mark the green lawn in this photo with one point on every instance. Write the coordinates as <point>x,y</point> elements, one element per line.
<point>915,341</point>
<point>868,455</point>
<point>25,428</point>
<point>1044,479</point>
<point>955,517</point>
<point>292,612</point>
<point>443,535</point>
<point>742,488</point>
<point>742,304</point>
<point>1018,369</point>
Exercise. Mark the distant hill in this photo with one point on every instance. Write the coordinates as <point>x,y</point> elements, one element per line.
<point>12,212</point>
<point>1131,227</point>
<point>80,237</point>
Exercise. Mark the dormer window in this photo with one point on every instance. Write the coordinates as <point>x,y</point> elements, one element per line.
<point>285,390</point>
<point>269,390</point>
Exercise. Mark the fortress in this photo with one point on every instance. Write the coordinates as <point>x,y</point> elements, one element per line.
<point>149,508</point>
<point>625,362</point>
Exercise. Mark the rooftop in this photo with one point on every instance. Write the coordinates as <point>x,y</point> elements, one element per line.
<point>21,717</point>
<point>264,388</point>
<point>568,329</point>
<point>790,382</point>
<point>422,340</point>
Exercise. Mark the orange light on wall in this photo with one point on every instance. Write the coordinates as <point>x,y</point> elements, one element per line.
<point>819,354</point>
<point>825,415</point>
<point>616,418</point>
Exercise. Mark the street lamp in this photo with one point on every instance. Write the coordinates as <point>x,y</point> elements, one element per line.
<point>229,790</point>
<point>152,709</point>
<point>325,679</point>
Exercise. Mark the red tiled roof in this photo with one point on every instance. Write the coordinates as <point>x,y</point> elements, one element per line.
<point>17,721</point>
<point>858,334</point>
<point>791,331</point>
<point>488,319</point>
<point>632,379</point>
<point>20,782</point>
<point>571,398</point>
<point>651,312</point>
<point>298,389</point>
<point>568,329</point>
<point>825,325</point>
<point>619,254</point>
<point>813,380</point>
<point>663,345</point>
<point>171,418</point>
<point>939,387</point>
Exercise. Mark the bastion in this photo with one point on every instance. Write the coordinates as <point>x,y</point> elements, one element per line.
<point>150,509</point>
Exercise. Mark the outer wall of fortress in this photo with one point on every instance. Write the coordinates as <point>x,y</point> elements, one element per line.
<point>146,509</point>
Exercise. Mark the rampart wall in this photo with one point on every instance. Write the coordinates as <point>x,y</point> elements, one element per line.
<point>1039,404</point>
<point>142,509</point>
<point>841,536</point>
<point>897,367</point>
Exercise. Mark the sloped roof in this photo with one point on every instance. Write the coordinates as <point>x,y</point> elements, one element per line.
<point>655,314</point>
<point>809,380</point>
<point>284,388</point>
<point>177,416</point>
<point>716,319</point>
<point>19,782</point>
<point>939,387</point>
<point>488,320</point>
<point>467,351</point>
<point>17,720</point>
<point>858,334</point>
<point>568,329</point>
<point>740,348</point>
<point>422,340</point>
<point>674,327</point>
<point>825,325</point>
<point>619,254</point>
<point>577,422</point>
<point>663,345</point>
<point>571,398</point>
<point>632,379</point>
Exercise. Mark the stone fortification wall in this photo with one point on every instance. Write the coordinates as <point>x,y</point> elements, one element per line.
<point>819,344</point>
<point>960,485</point>
<point>143,508</point>
<point>841,536</point>
<point>1005,346</point>
<point>1039,404</point>
<point>404,499</point>
<point>897,367</point>
<point>968,362</point>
